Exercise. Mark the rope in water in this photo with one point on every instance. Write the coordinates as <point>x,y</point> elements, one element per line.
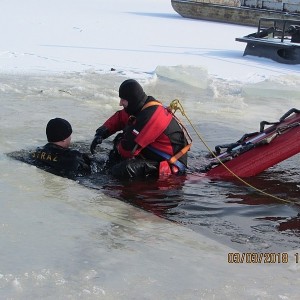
<point>176,105</point>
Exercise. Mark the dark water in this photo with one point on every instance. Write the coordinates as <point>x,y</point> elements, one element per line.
<point>226,211</point>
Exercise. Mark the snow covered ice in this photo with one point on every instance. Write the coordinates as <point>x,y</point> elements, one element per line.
<point>60,240</point>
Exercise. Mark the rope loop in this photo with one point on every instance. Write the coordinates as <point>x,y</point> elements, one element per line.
<point>176,105</point>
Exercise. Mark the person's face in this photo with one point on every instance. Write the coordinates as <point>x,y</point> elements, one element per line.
<point>123,103</point>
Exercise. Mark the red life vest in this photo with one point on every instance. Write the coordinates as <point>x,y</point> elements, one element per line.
<point>151,136</point>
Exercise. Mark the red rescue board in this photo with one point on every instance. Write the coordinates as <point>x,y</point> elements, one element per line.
<point>285,144</point>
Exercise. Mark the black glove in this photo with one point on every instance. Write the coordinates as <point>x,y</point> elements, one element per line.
<point>96,141</point>
<point>101,134</point>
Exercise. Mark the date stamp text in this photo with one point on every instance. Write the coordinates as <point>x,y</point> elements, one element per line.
<point>261,258</point>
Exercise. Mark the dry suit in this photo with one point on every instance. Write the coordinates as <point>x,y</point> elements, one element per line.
<point>150,136</point>
<point>62,161</point>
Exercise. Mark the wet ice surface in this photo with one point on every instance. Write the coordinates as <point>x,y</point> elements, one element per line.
<point>66,240</point>
<point>62,240</point>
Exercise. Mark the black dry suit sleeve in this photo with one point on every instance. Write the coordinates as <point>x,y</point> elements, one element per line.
<point>101,134</point>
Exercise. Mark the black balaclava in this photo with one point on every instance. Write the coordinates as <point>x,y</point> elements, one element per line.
<point>132,91</point>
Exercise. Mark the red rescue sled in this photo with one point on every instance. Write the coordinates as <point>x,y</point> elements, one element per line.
<point>258,151</point>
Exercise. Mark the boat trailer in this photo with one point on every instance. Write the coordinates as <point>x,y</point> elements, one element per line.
<point>276,39</point>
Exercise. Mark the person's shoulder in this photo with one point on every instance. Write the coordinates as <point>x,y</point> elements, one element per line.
<point>151,105</point>
<point>73,151</point>
<point>150,99</point>
<point>39,149</point>
<point>49,149</point>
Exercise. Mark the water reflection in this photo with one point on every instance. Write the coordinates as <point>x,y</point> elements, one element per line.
<point>284,214</point>
<point>227,211</point>
<point>292,224</point>
<point>158,196</point>
<point>224,210</point>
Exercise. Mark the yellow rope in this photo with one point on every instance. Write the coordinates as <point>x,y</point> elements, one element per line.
<point>176,105</point>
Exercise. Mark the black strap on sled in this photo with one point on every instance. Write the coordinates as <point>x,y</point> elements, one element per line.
<point>240,142</point>
<point>228,147</point>
<point>264,123</point>
<point>246,136</point>
<point>287,114</point>
<point>244,146</point>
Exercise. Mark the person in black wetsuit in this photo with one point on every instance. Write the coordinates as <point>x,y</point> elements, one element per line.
<point>56,155</point>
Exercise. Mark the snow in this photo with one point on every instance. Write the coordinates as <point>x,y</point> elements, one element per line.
<point>134,37</point>
<point>136,255</point>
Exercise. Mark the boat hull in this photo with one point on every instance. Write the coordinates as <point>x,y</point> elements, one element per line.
<point>228,14</point>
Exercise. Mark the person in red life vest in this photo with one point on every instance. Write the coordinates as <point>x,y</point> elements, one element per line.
<point>152,143</point>
<point>56,155</point>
